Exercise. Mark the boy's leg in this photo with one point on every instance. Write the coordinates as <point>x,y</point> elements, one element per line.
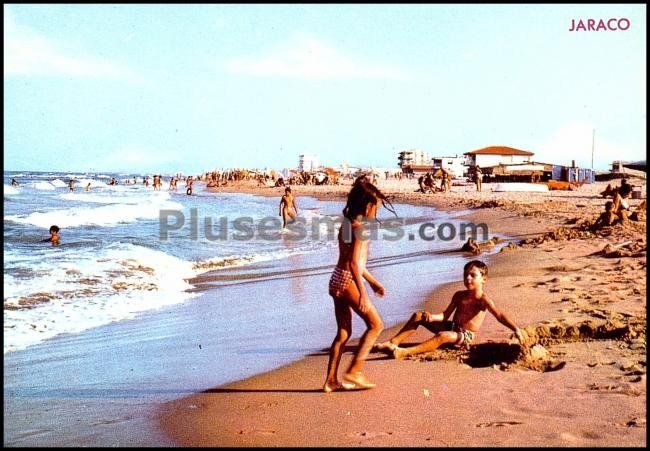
<point>416,320</point>
<point>430,345</point>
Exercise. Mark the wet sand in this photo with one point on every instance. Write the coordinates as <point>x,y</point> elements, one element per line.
<point>580,381</point>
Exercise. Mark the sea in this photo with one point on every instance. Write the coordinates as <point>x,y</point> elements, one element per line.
<point>212,275</point>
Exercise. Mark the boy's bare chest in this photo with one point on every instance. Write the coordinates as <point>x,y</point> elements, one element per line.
<point>469,307</point>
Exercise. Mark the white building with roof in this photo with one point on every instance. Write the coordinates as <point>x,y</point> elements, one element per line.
<point>496,155</point>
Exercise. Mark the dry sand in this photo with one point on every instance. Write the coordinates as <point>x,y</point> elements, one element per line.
<point>581,381</point>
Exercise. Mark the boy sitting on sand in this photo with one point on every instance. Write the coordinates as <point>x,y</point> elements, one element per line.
<point>607,218</point>
<point>470,307</point>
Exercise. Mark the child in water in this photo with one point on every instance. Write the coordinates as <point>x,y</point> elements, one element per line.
<point>54,235</point>
<point>348,290</point>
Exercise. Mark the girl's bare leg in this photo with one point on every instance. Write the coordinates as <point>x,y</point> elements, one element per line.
<point>344,330</point>
<point>374,326</point>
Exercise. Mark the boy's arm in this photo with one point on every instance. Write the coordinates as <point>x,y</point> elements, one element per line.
<point>451,307</point>
<point>446,314</point>
<point>505,320</point>
<point>616,204</point>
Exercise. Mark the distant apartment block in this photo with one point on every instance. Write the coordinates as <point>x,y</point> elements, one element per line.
<point>308,162</point>
<point>413,157</point>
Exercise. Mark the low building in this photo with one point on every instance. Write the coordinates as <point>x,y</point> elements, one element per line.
<point>456,165</point>
<point>573,174</point>
<point>417,169</point>
<point>520,172</point>
<point>620,166</point>
<point>496,155</point>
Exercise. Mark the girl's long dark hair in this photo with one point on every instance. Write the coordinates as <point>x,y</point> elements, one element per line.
<point>363,193</point>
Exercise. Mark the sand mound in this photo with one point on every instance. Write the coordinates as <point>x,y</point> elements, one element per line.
<point>535,354</point>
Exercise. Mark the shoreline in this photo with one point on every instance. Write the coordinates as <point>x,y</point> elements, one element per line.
<point>137,397</point>
<point>263,410</point>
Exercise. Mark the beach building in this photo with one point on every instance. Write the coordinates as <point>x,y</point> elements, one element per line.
<point>573,173</point>
<point>624,169</point>
<point>308,163</point>
<point>620,166</point>
<point>413,157</point>
<point>496,155</point>
<point>414,161</point>
<point>457,165</point>
<point>527,172</point>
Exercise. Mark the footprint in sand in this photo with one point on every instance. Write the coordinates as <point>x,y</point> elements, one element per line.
<point>497,424</point>
<point>636,422</point>
<point>256,431</point>
<point>369,435</point>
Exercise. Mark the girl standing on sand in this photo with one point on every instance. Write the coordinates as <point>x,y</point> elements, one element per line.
<point>347,289</point>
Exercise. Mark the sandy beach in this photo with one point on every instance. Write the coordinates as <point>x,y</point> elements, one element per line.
<point>581,381</point>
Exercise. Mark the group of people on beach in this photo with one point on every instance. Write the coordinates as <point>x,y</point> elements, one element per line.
<point>426,182</point>
<point>346,286</point>
<point>618,210</point>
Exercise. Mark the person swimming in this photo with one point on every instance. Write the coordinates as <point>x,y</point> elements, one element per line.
<point>54,235</point>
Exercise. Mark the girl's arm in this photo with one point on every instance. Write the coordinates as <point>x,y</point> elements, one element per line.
<point>377,287</point>
<point>357,273</point>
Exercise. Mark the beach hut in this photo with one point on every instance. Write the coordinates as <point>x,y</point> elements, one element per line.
<point>520,173</point>
<point>417,169</point>
<point>573,174</point>
<point>496,155</point>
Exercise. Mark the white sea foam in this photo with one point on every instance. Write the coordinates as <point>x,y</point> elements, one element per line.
<point>58,183</point>
<point>113,196</point>
<point>10,190</point>
<point>107,215</point>
<point>43,185</point>
<point>85,291</point>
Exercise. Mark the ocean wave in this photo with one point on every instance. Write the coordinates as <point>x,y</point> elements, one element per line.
<point>232,261</point>
<point>10,190</point>
<point>43,185</point>
<point>58,183</point>
<point>111,196</point>
<point>88,290</point>
<point>107,215</point>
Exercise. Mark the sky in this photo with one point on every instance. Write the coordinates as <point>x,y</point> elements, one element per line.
<point>171,87</point>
